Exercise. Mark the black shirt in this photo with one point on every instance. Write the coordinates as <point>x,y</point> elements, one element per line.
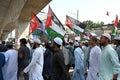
<point>59,71</point>
<point>25,60</point>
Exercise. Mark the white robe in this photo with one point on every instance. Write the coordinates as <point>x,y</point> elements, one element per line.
<point>35,67</point>
<point>11,66</point>
<point>79,66</point>
<point>94,63</point>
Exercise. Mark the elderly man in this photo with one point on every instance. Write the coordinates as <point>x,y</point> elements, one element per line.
<point>59,71</point>
<point>109,64</point>
<point>35,67</point>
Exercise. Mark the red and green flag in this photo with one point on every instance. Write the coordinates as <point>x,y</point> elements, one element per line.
<point>114,31</point>
<point>53,26</point>
<point>73,24</point>
<point>34,23</point>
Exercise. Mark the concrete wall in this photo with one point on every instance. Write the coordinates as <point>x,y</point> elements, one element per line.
<point>16,14</point>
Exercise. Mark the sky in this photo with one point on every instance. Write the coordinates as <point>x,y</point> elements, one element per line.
<point>94,10</point>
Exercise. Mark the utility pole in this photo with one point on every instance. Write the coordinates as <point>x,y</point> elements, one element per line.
<point>77,15</point>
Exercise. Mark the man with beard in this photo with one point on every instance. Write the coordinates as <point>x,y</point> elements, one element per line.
<point>23,58</point>
<point>109,64</point>
<point>35,67</point>
<point>59,71</point>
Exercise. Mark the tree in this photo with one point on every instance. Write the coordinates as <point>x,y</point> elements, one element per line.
<point>90,24</point>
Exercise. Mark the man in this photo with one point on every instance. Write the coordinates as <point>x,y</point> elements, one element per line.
<point>70,47</point>
<point>35,67</point>
<point>94,60</point>
<point>109,64</point>
<point>2,46</point>
<point>11,64</point>
<point>47,64</point>
<point>2,62</point>
<point>78,73</point>
<point>23,58</point>
<point>59,71</point>
<point>65,54</point>
<point>117,42</point>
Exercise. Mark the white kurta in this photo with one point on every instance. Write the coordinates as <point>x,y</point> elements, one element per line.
<point>11,66</point>
<point>66,55</point>
<point>94,63</point>
<point>36,65</point>
<point>79,66</point>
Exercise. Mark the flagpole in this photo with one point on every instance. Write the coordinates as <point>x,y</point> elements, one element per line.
<point>77,16</point>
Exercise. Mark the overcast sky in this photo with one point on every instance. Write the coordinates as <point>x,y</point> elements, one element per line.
<point>94,10</point>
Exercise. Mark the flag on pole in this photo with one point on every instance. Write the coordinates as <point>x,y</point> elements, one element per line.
<point>42,27</point>
<point>53,26</point>
<point>114,31</point>
<point>74,24</point>
<point>33,24</point>
<point>36,23</point>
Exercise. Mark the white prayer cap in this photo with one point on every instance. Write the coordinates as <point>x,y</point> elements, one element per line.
<point>117,38</point>
<point>43,43</point>
<point>37,41</point>
<point>70,41</point>
<point>98,38</point>
<point>93,34</point>
<point>76,44</point>
<point>49,42</point>
<point>58,41</point>
<point>107,35</point>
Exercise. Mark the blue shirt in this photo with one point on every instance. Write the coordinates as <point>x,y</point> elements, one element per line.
<point>2,62</point>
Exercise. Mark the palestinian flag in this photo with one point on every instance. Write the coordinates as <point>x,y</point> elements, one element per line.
<point>53,26</point>
<point>36,26</point>
<point>74,25</point>
<point>34,23</point>
<point>114,31</point>
<point>84,37</point>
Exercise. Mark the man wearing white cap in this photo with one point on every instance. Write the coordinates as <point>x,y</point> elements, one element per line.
<point>36,65</point>
<point>59,71</point>
<point>11,61</point>
<point>109,64</point>
<point>78,73</point>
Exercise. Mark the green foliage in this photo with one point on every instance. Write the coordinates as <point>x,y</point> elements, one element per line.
<point>90,24</point>
<point>11,39</point>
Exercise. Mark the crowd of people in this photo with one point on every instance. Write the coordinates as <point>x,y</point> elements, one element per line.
<point>94,59</point>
